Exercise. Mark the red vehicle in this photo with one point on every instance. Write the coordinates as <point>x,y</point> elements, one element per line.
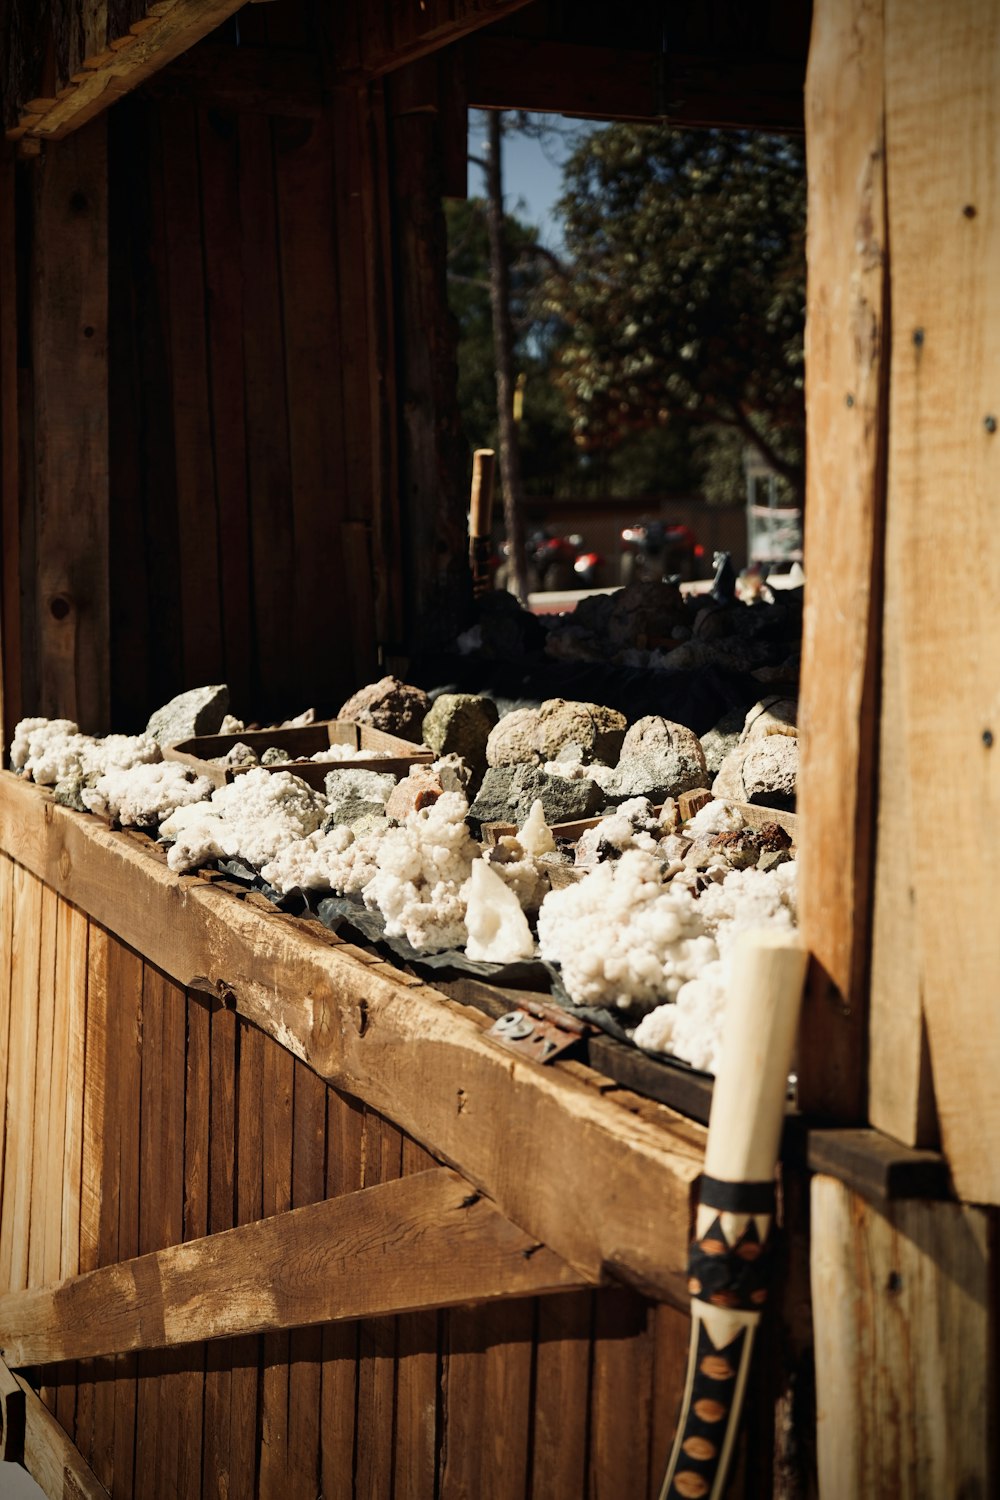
<point>654,549</point>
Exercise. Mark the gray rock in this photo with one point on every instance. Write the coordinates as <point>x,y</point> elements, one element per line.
<point>390,705</point>
<point>597,730</point>
<point>355,795</point>
<point>762,771</point>
<point>200,711</point>
<point>508,792</point>
<point>644,615</point>
<point>659,759</point>
<point>721,739</point>
<point>514,740</point>
<point>275,755</point>
<point>67,793</point>
<point>460,724</point>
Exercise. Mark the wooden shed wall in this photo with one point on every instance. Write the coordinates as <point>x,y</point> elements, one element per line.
<point>139,1115</point>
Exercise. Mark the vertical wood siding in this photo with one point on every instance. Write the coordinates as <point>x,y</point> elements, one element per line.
<point>139,1115</point>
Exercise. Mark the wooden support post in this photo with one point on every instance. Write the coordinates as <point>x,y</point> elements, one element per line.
<point>944,471</point>
<point>846,418</point>
<point>10,504</point>
<point>70,365</point>
<point>429,1240</point>
<point>905,1348</point>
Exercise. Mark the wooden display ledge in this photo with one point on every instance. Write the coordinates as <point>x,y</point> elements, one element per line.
<point>591,1171</point>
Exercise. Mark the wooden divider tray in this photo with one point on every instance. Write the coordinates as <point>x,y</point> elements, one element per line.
<point>387,751</point>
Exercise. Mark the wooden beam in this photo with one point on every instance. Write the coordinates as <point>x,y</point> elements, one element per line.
<point>70,578</point>
<point>425,1241</point>
<point>876,1166</point>
<point>846,412</point>
<point>54,1463</point>
<point>944,464</point>
<point>905,1346</point>
<point>505,72</point>
<point>603,1184</point>
<point>120,68</point>
<point>372,37</point>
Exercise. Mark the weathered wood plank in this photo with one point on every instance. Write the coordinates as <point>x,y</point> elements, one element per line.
<point>876,1166</point>
<point>905,1356</point>
<point>375,1420</point>
<point>96,1096</point>
<point>70,368</point>
<point>279,1093</point>
<point>486,1386</point>
<point>423,30</point>
<point>416,1427</point>
<point>246,1351</point>
<point>6,991</point>
<point>190,1381</point>
<point>611,1187</point>
<point>305,1345</point>
<point>46,1182</point>
<point>944,460</point>
<point>221,1212</point>
<point>422,1241</point>
<point>11,700</point>
<point>109,74</point>
<point>562,1396</point>
<point>15,1223</point>
<point>621,1381</point>
<point>125,982</point>
<point>198,524</point>
<point>339,1384</point>
<point>845,481</point>
<point>50,1458</point>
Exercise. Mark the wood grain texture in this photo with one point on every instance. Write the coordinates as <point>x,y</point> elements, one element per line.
<point>339,1381</point>
<point>18,1145</point>
<point>50,1458</point>
<point>562,1396</point>
<point>50,1105</point>
<point>845,485</point>
<point>11,666</point>
<point>944,462</point>
<point>70,373</point>
<point>279,1086</point>
<point>612,1187</point>
<point>114,71</point>
<point>486,1394</point>
<point>905,1357</point>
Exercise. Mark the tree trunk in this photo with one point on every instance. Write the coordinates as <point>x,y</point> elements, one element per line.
<point>503,353</point>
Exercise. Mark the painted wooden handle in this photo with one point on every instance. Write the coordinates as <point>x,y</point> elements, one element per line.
<point>728,1265</point>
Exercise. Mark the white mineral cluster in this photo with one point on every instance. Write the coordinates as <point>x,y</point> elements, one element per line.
<point>338,860</point>
<point>141,796</point>
<point>49,751</point>
<point>498,930</point>
<point>624,937</point>
<point>254,817</point>
<point>423,867</point>
<point>523,861</point>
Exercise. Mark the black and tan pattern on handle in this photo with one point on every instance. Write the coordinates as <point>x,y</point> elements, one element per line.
<point>729,1259</point>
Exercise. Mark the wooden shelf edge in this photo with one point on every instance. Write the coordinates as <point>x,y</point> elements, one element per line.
<point>876,1166</point>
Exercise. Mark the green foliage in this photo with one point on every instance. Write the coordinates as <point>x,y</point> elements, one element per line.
<point>684,289</point>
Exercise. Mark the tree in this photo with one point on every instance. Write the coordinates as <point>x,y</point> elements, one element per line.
<point>685,292</point>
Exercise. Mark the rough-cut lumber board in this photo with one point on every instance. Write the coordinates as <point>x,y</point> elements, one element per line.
<point>189,1390</point>
<point>905,1354</point>
<point>109,74</point>
<point>15,1222</point>
<point>279,1087</point>
<point>339,1386</point>
<point>621,1381</point>
<point>125,978</point>
<point>381,1156</point>
<point>562,1396</point>
<point>6,945</point>
<point>45,1179</point>
<point>70,366</point>
<point>221,1205</point>
<point>71,991</point>
<point>256,80</point>
<point>58,1468</point>
<point>306,1344</point>
<point>611,1188</point>
<point>423,1241</point>
<point>876,1166</point>
<point>845,486</point>
<point>249,1188</point>
<point>486,1390</point>
<point>507,72</point>
<point>387,35</point>
<point>415,1433</point>
<point>944,228</point>
<point>10,519</point>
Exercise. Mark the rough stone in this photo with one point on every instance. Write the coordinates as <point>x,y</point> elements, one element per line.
<point>722,738</point>
<point>390,705</point>
<point>514,740</point>
<point>644,614</point>
<point>356,794</point>
<point>67,793</point>
<point>199,711</point>
<point>659,759</point>
<point>771,716</point>
<point>420,788</point>
<point>597,730</point>
<point>508,792</point>
<point>762,771</point>
<point>460,724</point>
<point>275,755</point>
<point>506,631</point>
